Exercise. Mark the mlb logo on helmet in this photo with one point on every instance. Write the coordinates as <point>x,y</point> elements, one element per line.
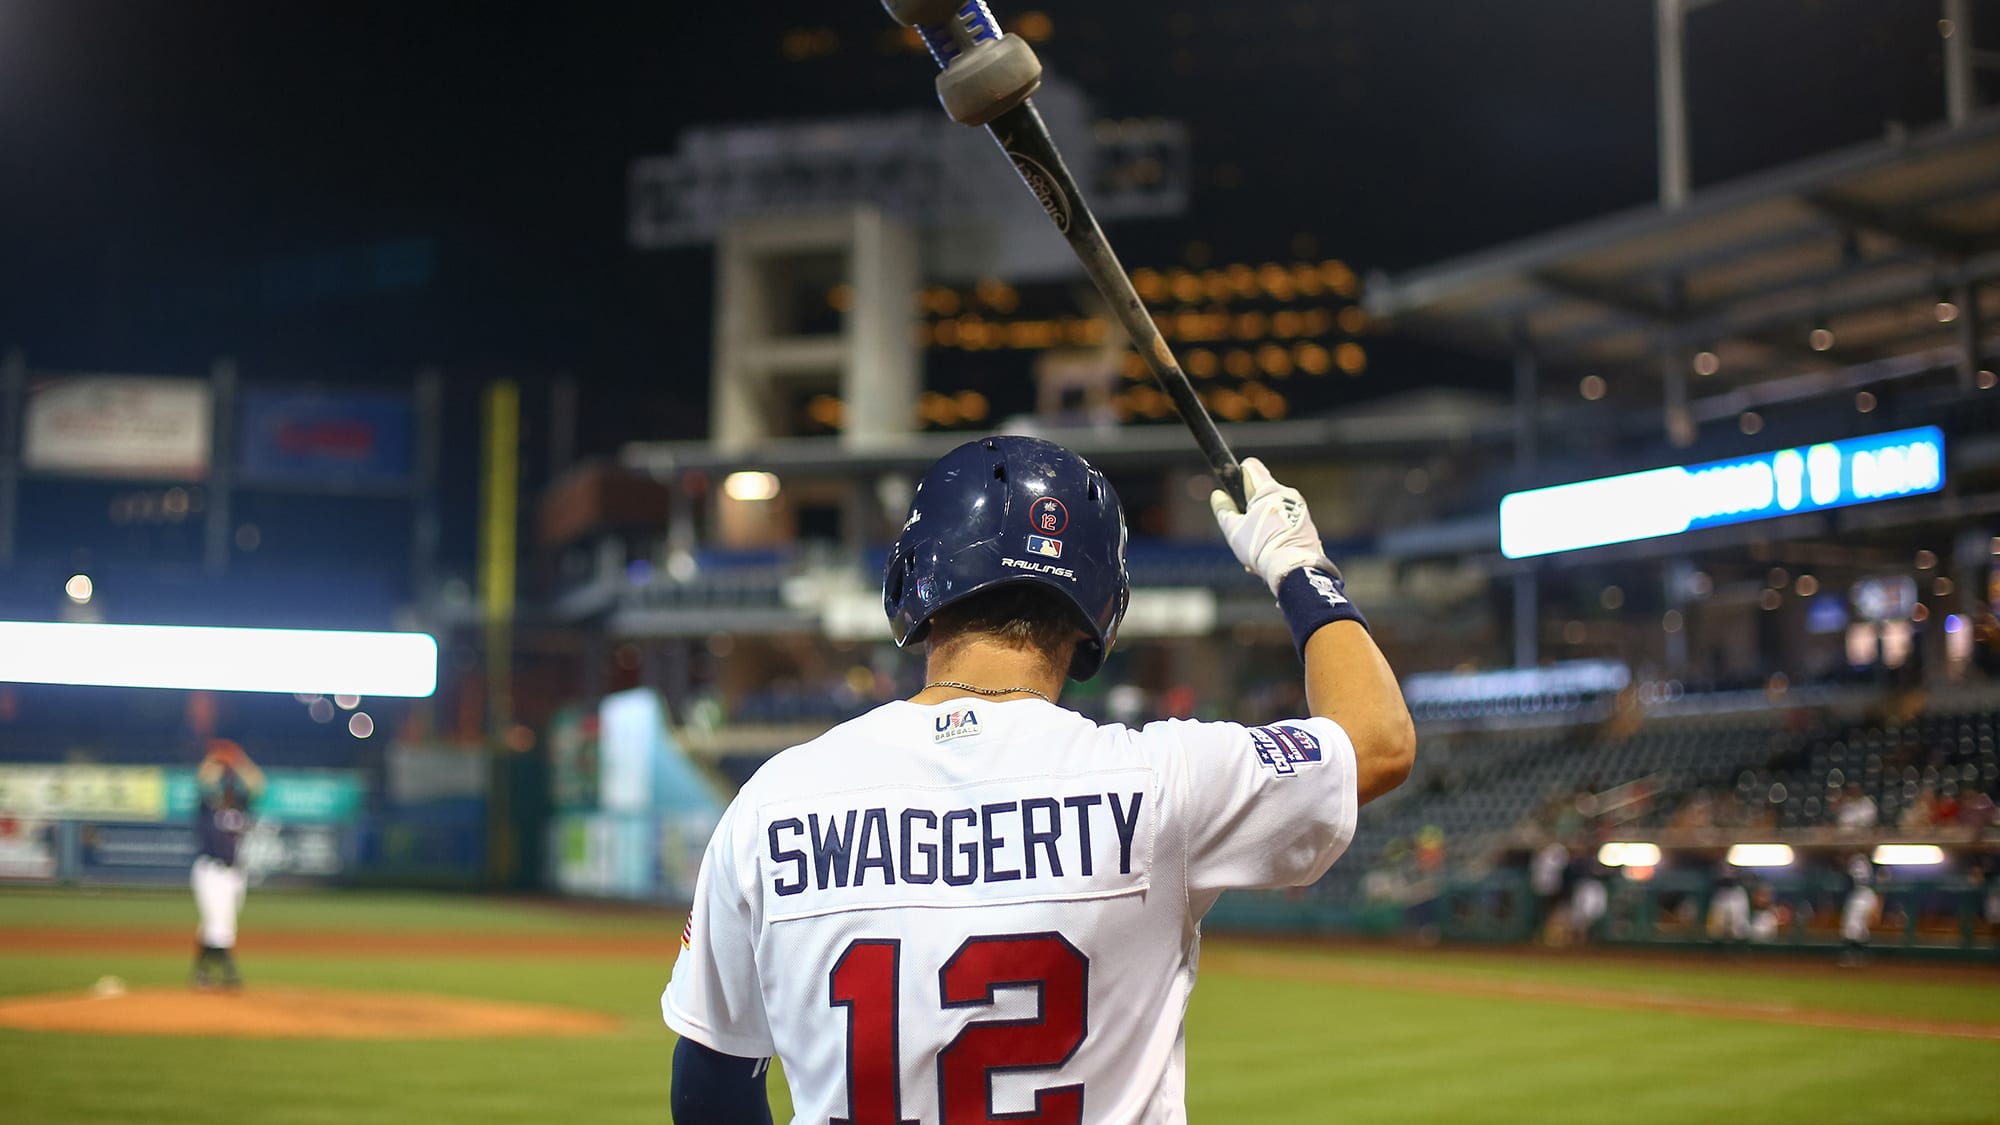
<point>1048,515</point>
<point>1284,748</point>
<point>957,724</point>
<point>1043,545</point>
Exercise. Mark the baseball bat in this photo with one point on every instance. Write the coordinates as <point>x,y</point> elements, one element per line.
<point>988,79</point>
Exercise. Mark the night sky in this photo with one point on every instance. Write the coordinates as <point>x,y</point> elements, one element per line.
<point>161,163</point>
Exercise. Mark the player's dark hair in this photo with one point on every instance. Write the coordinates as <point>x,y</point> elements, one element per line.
<point>1019,615</point>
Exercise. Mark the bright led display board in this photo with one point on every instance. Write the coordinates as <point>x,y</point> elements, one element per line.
<point>1833,474</point>
<point>295,661</point>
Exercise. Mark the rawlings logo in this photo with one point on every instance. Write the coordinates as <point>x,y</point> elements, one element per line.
<point>1039,568</point>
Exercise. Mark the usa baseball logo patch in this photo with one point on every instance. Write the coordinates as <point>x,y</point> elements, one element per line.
<point>1045,545</point>
<point>1284,748</point>
<point>1048,515</point>
<point>957,724</point>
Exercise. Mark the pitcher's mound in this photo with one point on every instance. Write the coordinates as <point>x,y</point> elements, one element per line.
<point>294,1013</point>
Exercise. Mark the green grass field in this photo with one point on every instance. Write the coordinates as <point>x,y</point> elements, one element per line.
<point>1278,1033</point>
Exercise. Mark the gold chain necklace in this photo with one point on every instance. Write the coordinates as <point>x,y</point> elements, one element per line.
<point>988,692</point>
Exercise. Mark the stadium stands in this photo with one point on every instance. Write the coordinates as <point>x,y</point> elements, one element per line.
<point>1753,774</point>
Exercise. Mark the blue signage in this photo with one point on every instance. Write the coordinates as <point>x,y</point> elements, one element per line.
<point>1834,474</point>
<point>292,796</point>
<point>346,438</point>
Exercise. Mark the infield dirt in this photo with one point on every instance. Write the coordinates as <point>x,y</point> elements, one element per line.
<point>294,1013</point>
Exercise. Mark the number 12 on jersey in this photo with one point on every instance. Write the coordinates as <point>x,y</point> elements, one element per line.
<point>866,981</point>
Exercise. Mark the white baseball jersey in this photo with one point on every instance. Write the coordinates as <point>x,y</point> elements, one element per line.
<point>957,912</point>
<point>1857,913</point>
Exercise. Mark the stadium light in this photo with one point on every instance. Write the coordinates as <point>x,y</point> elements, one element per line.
<point>750,486</point>
<point>1629,854</point>
<point>1760,855</point>
<point>289,661</point>
<point>1908,855</point>
<point>1682,498</point>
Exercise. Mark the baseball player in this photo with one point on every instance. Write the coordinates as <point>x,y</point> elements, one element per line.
<point>975,905</point>
<point>228,782</point>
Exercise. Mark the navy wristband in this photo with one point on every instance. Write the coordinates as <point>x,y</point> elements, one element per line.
<point>1310,598</point>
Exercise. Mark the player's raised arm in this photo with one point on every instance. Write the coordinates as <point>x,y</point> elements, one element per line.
<point>1347,679</point>
<point>225,756</point>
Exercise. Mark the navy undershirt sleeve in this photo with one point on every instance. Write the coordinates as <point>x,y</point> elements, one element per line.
<point>711,1088</point>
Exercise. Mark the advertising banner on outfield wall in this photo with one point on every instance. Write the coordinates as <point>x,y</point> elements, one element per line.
<point>152,794</point>
<point>27,850</point>
<point>118,426</point>
<point>153,853</point>
<point>84,792</point>
<point>309,437</point>
<point>290,796</point>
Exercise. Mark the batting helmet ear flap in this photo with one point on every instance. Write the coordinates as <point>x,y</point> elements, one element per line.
<point>896,581</point>
<point>1124,603</point>
<point>1091,651</point>
<point>893,573</point>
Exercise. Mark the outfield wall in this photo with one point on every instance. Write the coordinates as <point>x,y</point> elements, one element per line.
<point>133,825</point>
<point>1932,915</point>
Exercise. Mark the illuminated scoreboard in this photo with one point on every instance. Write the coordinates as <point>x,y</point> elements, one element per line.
<point>1658,502</point>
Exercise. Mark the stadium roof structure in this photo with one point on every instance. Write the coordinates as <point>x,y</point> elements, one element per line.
<point>1390,428</point>
<point>1864,244</point>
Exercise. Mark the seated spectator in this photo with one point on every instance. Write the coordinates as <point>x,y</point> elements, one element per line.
<point>1699,812</point>
<point>1977,812</point>
<point>1921,815</point>
<point>1384,884</point>
<point>1430,851</point>
<point>1545,879</point>
<point>1990,876</point>
<point>1856,810</point>
<point>1860,913</point>
<point>1766,916</point>
<point>1571,817</point>
<point>1587,902</point>
<point>1945,812</point>
<point>1729,909</point>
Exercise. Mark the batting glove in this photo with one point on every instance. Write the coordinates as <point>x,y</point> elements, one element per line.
<point>1275,535</point>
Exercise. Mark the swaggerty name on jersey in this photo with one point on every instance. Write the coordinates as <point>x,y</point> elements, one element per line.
<point>1043,838</point>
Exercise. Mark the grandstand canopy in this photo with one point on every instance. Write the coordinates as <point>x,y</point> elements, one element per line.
<point>1863,243</point>
<point>1416,423</point>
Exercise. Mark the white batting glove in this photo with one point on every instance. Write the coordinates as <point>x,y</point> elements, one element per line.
<point>1276,535</point>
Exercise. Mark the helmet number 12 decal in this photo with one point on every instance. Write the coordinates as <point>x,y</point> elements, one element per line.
<point>1048,515</point>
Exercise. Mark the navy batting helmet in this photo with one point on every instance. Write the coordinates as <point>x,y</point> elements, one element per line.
<point>1003,510</point>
